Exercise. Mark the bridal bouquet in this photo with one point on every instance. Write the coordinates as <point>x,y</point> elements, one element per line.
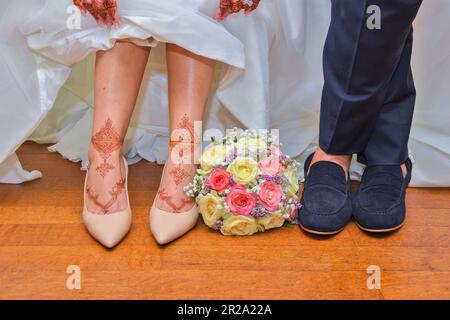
<point>245,184</point>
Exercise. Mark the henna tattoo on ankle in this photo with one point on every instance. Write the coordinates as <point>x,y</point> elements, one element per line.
<point>183,134</point>
<point>106,141</point>
<point>187,125</point>
<point>186,129</point>
<point>116,191</point>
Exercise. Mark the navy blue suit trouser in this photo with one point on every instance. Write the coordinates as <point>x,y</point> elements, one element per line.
<point>369,94</point>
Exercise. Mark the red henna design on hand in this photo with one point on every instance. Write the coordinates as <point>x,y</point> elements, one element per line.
<point>80,5</point>
<point>103,11</point>
<point>228,7</point>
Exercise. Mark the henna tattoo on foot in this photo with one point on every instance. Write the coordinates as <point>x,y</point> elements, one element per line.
<point>115,193</point>
<point>183,134</point>
<point>179,174</point>
<point>105,142</point>
<point>166,198</point>
<point>104,169</point>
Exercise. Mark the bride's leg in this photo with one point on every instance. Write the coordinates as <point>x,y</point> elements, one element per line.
<point>190,78</point>
<point>118,76</point>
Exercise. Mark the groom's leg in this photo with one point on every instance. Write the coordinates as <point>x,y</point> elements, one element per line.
<point>368,103</point>
<point>388,144</point>
<point>360,70</point>
<point>364,82</point>
<point>379,205</point>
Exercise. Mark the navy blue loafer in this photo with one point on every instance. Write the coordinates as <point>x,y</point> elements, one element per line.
<point>379,205</point>
<point>326,205</point>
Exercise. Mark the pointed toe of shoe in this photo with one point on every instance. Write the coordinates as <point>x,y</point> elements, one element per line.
<point>167,227</point>
<point>163,237</point>
<point>108,229</point>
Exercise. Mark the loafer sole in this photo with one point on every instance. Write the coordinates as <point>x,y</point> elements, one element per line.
<point>380,230</point>
<point>320,233</point>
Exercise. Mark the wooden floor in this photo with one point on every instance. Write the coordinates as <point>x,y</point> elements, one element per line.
<point>41,234</point>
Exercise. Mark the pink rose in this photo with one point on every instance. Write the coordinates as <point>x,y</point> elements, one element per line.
<point>238,186</point>
<point>275,151</point>
<point>240,202</point>
<point>292,214</point>
<point>219,180</point>
<point>270,195</point>
<point>270,166</point>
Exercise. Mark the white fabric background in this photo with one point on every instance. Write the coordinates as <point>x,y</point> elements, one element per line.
<point>280,87</point>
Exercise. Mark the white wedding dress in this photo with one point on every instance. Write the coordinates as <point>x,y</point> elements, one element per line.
<point>270,77</point>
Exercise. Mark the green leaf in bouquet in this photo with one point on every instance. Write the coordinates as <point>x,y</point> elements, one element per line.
<point>288,225</point>
<point>202,172</point>
<point>261,228</point>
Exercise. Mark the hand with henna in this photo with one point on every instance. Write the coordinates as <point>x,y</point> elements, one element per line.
<point>228,7</point>
<point>103,11</point>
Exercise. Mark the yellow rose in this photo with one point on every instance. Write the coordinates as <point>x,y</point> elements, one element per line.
<point>244,170</point>
<point>251,147</point>
<point>213,156</point>
<point>239,226</point>
<point>272,221</point>
<point>291,176</point>
<point>211,209</point>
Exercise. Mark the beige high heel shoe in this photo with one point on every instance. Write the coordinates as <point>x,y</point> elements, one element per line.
<point>168,226</point>
<point>108,229</point>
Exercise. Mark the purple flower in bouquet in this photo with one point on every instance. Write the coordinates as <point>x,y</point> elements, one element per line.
<point>217,225</point>
<point>259,212</point>
<point>281,180</point>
